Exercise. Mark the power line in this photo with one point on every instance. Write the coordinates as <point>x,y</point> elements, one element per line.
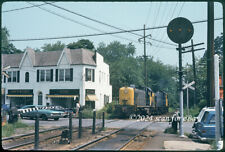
<point>22,8</point>
<point>166,12</point>
<point>149,12</point>
<point>94,20</point>
<point>195,22</point>
<point>156,15</point>
<point>162,37</point>
<point>100,22</point>
<point>107,33</point>
<point>82,24</point>
<point>181,9</point>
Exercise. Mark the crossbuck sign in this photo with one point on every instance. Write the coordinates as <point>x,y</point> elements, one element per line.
<point>189,85</point>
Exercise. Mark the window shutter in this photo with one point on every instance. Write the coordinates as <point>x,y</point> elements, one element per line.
<point>37,75</point>
<point>18,76</point>
<point>51,75</point>
<point>71,74</point>
<point>56,75</point>
<point>86,74</point>
<point>93,75</point>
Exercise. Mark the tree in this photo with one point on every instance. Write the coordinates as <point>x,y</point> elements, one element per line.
<point>7,47</point>
<point>125,69</point>
<point>53,47</point>
<point>115,50</point>
<point>83,43</point>
<point>218,45</point>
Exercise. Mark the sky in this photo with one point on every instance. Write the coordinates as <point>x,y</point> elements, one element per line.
<point>40,23</point>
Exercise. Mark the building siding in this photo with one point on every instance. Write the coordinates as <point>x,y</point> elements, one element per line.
<point>101,88</point>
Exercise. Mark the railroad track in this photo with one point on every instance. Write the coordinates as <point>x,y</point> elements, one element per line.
<point>116,140</point>
<point>24,140</point>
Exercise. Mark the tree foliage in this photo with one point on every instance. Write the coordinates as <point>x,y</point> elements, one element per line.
<point>83,43</point>
<point>201,74</point>
<point>218,45</point>
<point>125,69</point>
<point>53,47</point>
<point>6,46</point>
<point>115,51</point>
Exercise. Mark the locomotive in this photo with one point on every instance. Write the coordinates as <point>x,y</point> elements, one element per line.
<point>141,101</point>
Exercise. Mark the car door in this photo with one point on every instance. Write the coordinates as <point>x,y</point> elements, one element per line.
<point>211,126</point>
<point>28,114</point>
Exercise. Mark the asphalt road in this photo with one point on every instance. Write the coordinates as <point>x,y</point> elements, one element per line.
<point>114,123</point>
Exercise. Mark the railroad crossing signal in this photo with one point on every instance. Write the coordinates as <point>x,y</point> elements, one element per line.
<point>180,30</point>
<point>189,85</point>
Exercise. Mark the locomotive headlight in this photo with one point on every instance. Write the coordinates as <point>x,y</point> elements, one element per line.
<point>125,91</point>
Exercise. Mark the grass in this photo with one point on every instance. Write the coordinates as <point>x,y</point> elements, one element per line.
<point>192,111</point>
<point>9,129</point>
<point>108,109</point>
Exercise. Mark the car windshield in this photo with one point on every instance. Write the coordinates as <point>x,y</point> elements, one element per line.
<point>201,114</point>
<point>212,120</point>
<point>204,118</point>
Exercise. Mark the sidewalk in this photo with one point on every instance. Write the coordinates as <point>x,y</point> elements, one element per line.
<point>163,141</point>
<point>185,145</point>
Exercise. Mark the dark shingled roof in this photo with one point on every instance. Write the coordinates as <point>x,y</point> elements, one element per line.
<point>75,56</point>
<point>47,58</point>
<point>82,56</point>
<point>12,60</point>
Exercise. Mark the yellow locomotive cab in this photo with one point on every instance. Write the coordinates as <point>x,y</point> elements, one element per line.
<point>152,99</point>
<point>166,100</point>
<point>126,96</point>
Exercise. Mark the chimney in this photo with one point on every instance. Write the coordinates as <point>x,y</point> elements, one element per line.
<point>95,56</point>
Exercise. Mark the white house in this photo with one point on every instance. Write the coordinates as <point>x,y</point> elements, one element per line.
<point>56,78</point>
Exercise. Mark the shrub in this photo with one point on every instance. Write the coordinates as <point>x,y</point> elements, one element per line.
<point>9,129</point>
<point>87,113</point>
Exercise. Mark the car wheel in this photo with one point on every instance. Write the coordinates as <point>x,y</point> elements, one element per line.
<point>56,119</point>
<point>44,117</point>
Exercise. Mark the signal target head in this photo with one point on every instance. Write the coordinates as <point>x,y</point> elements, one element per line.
<point>180,30</point>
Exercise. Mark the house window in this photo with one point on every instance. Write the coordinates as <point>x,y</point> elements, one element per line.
<point>64,74</point>
<point>10,76</point>
<point>67,74</point>
<point>42,75</point>
<point>61,74</point>
<point>48,75</point>
<point>90,75</point>
<point>14,76</point>
<point>45,75</point>
<point>27,77</point>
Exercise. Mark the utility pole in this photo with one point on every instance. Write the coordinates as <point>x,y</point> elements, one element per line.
<point>145,64</point>
<point>181,90</point>
<point>193,60</point>
<point>210,54</point>
<point>194,71</point>
<point>145,68</point>
<point>187,101</point>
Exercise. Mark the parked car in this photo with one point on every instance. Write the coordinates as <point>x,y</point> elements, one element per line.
<point>44,114</point>
<point>65,110</point>
<point>205,125</point>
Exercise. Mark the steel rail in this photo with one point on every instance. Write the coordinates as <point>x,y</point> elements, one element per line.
<point>115,132</point>
<point>29,134</point>
<point>47,138</point>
